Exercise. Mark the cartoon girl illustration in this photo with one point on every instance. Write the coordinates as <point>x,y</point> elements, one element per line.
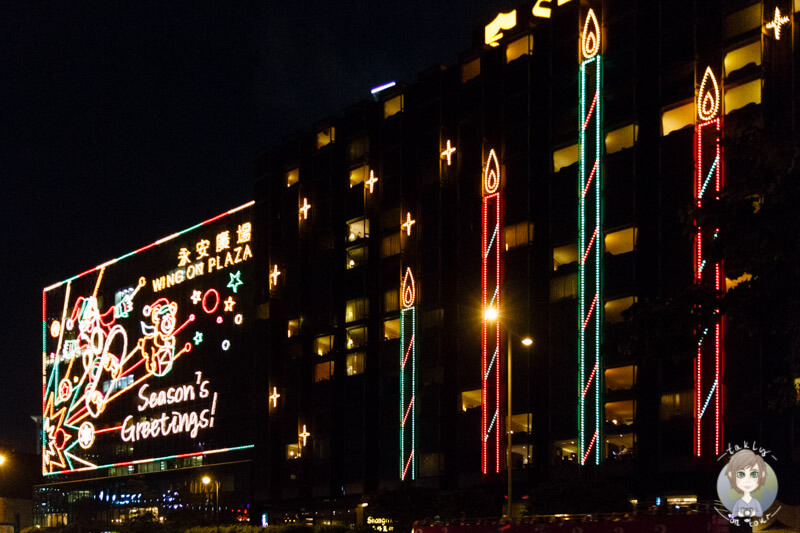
<point>746,472</point>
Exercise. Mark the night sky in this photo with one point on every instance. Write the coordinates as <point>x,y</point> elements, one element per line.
<point>125,121</point>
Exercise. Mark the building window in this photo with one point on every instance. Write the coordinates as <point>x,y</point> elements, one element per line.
<point>520,47</point>
<point>742,21</point>
<point>355,363</point>
<point>470,399</point>
<point>521,423</point>
<point>565,157</point>
<point>323,371</point>
<point>431,464</point>
<point>620,414</point>
<point>293,451</point>
<point>749,54</point>
<point>358,175</point>
<point>356,337</point>
<point>326,137</point>
<point>357,148</point>
<point>521,455</point>
<point>293,327</point>
<point>565,451</point>
<point>620,378</point>
<point>391,300</point>
<point>621,138</point>
<point>390,245</point>
<point>470,69</point>
<point>563,287</point>
<point>393,106</point>
<point>519,234</point>
<point>564,255</point>
<point>357,229</point>
<point>391,329</point>
<point>620,446</point>
<point>323,344</point>
<point>356,309</point>
<point>613,309</point>
<point>622,241</point>
<point>676,405</point>
<point>292,177</point>
<point>742,95</point>
<point>677,118</point>
<point>356,256</point>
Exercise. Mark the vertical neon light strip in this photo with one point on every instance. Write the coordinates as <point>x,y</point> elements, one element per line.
<point>708,363</point>
<point>491,281</point>
<point>590,243</point>
<point>408,378</point>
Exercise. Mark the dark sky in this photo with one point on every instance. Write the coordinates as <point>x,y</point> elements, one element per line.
<point>124,121</point>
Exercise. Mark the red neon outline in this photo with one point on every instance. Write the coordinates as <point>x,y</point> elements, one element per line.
<point>589,382</point>
<point>203,302</point>
<point>591,177</point>
<point>408,410</point>
<point>591,310</point>
<point>589,448</point>
<point>408,352</point>
<point>591,110</point>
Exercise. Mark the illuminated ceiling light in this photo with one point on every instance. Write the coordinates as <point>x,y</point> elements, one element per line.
<point>503,21</point>
<point>527,341</point>
<point>409,290</point>
<point>379,88</point>
<point>274,396</point>
<point>490,313</point>
<point>371,182</point>
<point>491,174</point>
<point>776,23</point>
<point>708,98</point>
<point>408,223</point>
<point>590,43</point>
<point>273,276</point>
<point>305,208</point>
<point>448,153</point>
<point>304,435</point>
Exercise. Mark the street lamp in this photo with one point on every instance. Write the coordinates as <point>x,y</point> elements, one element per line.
<point>2,459</point>
<point>206,481</point>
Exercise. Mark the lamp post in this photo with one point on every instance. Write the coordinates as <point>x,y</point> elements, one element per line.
<point>206,481</point>
<point>527,342</point>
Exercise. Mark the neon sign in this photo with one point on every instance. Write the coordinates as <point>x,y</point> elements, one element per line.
<point>776,23</point>
<point>541,8</point>
<point>503,21</point>
<point>590,242</point>
<point>128,351</point>
<point>408,377</point>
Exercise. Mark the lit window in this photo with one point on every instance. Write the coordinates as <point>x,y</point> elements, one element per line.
<point>613,308</point>
<point>358,175</point>
<point>292,177</point>
<point>683,499</point>
<point>743,56</point>
<point>356,256</point>
<point>323,344</point>
<point>520,47</point>
<point>390,245</point>
<point>731,283</point>
<point>293,451</point>
<point>620,378</point>
<point>677,118</point>
<point>325,137</point>
<point>742,21</point>
<point>621,242</point>
<point>563,287</point>
<point>293,327</point>
<point>796,6</point>
<point>621,414</point>
<point>564,255</point>
<point>621,138</point>
<point>676,405</point>
<point>565,157</point>
<point>470,399</point>
<point>355,363</point>
<point>391,329</point>
<point>521,454</point>
<point>356,309</point>
<point>470,69</point>
<point>358,148</point>
<point>357,229</point>
<point>519,234</point>
<point>391,300</point>
<point>620,446</point>
<point>356,337</point>
<point>741,95</point>
<point>393,106</point>
<point>323,371</point>
<point>566,451</point>
<point>522,422</point>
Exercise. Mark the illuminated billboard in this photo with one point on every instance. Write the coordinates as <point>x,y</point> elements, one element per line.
<point>145,357</point>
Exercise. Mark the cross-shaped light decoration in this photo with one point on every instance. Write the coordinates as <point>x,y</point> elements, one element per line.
<point>273,276</point>
<point>305,208</point>
<point>304,435</point>
<point>274,396</point>
<point>408,223</point>
<point>449,152</point>
<point>372,180</point>
<point>776,23</point>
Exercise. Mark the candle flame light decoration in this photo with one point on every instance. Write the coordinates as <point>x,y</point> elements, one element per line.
<point>132,352</point>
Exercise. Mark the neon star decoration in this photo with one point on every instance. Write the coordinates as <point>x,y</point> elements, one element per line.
<point>408,377</point>
<point>372,180</point>
<point>229,303</point>
<point>236,281</point>
<point>198,338</point>
<point>304,209</point>
<point>448,153</point>
<point>491,340</point>
<point>709,358</point>
<point>304,435</point>
<point>590,243</point>
<point>274,396</point>
<point>776,23</point>
<point>196,297</point>
<point>408,223</point>
<point>273,276</point>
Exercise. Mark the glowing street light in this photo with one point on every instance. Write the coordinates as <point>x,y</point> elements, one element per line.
<point>2,459</point>
<point>207,481</point>
<point>490,313</point>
